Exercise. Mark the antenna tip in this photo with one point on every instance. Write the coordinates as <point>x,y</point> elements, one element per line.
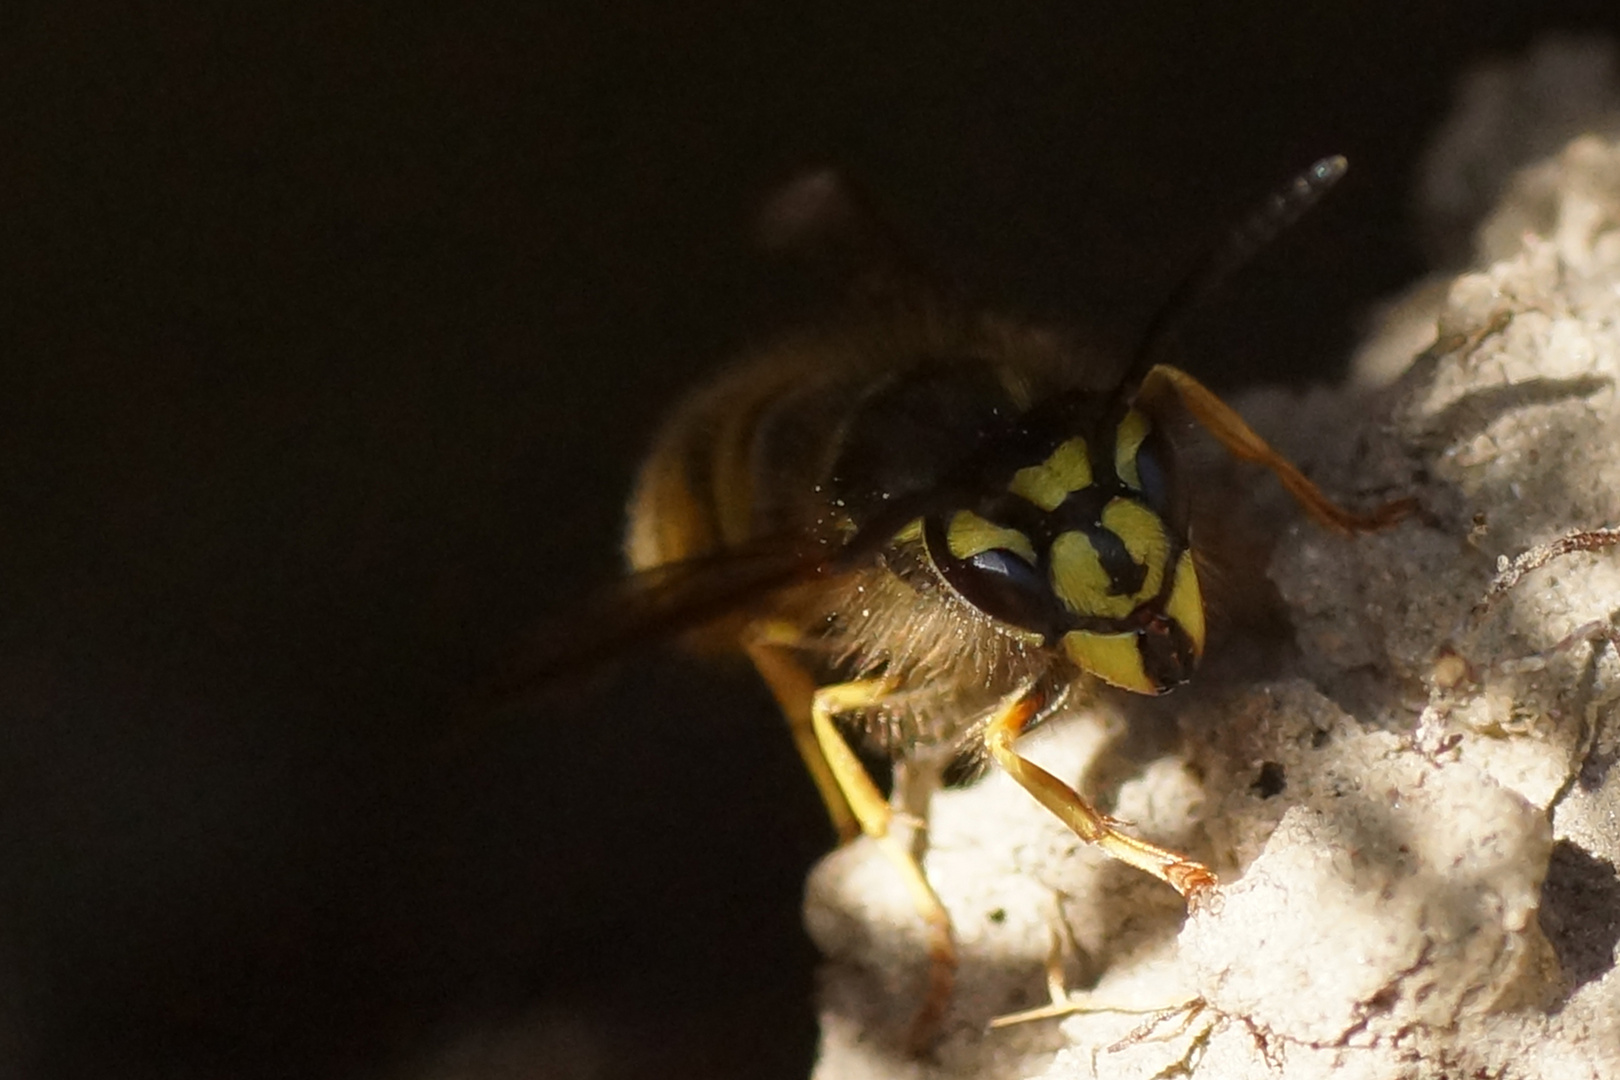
<point>1330,169</point>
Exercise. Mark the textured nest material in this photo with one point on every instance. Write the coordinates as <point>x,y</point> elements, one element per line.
<point>1414,811</point>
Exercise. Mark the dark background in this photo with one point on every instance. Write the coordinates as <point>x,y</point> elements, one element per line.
<point>329,335</point>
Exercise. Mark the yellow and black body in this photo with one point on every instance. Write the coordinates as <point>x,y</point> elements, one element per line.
<point>977,518</point>
<point>925,526</point>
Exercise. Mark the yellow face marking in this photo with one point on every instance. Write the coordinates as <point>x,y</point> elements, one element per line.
<point>970,535</point>
<point>1079,580</point>
<point>1144,537</point>
<point>1186,604</point>
<point>1113,658</point>
<point>1066,471</point>
<point>1127,441</point>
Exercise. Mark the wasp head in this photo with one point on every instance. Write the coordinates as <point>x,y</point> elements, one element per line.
<point>1085,546</point>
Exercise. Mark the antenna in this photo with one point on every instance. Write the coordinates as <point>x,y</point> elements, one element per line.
<point>1221,261</point>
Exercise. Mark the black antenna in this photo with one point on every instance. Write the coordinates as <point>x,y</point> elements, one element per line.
<point>1220,262</point>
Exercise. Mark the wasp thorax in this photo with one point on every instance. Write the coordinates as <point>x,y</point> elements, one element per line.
<point>1087,548</point>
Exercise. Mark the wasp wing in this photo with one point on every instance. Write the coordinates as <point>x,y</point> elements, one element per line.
<point>649,606</point>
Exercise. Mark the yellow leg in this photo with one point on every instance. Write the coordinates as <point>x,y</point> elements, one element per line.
<point>795,690</point>
<point>853,801</point>
<point>1189,878</point>
<point>1243,443</point>
<point>873,813</point>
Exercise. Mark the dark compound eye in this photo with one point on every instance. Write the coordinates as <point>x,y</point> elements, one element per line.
<point>1007,568</point>
<point>1155,469</point>
<point>1005,587</point>
<point>999,581</point>
<point>1151,473</point>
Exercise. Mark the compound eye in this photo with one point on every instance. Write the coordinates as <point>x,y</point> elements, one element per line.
<point>1155,468</point>
<point>993,568</point>
<point>1008,568</point>
<point>1151,472</point>
<point>1005,587</point>
<point>1145,461</point>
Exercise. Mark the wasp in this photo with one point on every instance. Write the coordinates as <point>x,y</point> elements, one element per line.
<point>927,524</point>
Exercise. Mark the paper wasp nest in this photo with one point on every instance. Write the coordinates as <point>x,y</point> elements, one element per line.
<point>1415,810</point>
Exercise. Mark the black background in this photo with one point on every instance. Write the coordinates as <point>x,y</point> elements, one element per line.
<point>329,335</point>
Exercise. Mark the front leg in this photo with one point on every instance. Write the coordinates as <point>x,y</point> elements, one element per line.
<point>1244,443</point>
<point>874,815</point>
<point>1191,879</point>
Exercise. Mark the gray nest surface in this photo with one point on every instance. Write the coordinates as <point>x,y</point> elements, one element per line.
<point>1414,813</point>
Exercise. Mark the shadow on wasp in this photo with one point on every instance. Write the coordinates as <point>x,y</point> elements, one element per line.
<point>925,524</point>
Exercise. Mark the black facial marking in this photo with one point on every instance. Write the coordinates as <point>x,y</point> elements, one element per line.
<point>1125,574</point>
